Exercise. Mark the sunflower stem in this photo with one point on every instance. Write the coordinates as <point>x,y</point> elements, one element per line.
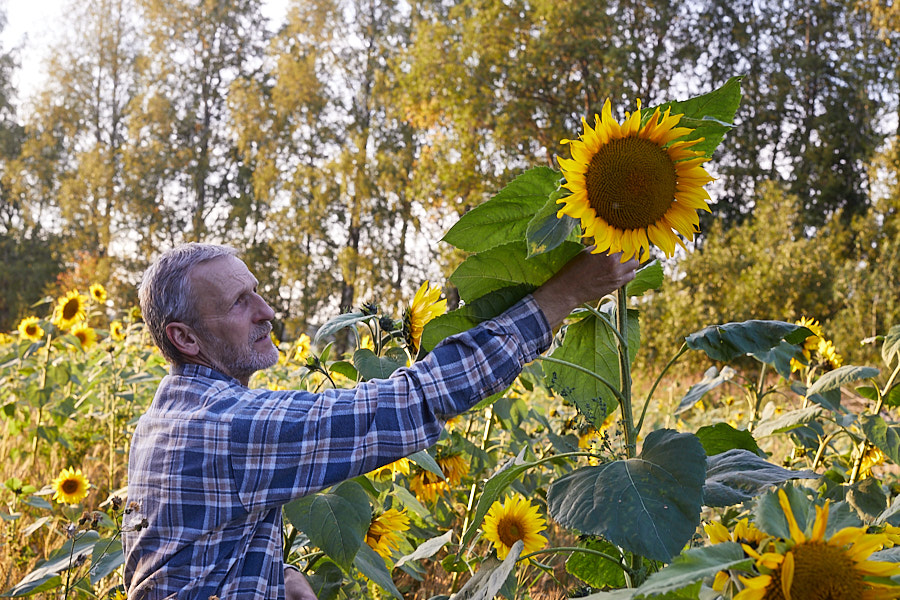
<point>672,361</point>
<point>624,395</point>
<point>603,555</point>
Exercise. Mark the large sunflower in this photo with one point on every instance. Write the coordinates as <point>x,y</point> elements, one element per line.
<point>426,305</point>
<point>810,567</point>
<point>69,310</point>
<point>634,185</point>
<point>70,487</point>
<point>385,532</point>
<point>30,329</point>
<point>515,519</point>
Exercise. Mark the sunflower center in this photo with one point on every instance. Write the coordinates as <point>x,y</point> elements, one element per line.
<point>31,329</point>
<point>70,309</point>
<point>82,337</point>
<point>631,182</point>
<point>509,530</point>
<point>820,571</point>
<point>70,486</point>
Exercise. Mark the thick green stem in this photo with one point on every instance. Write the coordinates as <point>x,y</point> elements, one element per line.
<point>625,374</point>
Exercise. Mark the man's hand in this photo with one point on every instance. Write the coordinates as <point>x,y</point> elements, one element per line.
<point>585,278</point>
<point>296,587</point>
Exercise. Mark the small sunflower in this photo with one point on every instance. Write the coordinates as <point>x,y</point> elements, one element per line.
<point>454,467</point>
<point>385,532</point>
<point>30,329</point>
<point>829,354</point>
<point>98,293</point>
<point>515,519</point>
<point>400,466</point>
<point>427,486</point>
<point>70,487</point>
<point>426,305</point>
<point>807,566</point>
<point>69,310</point>
<point>85,334</point>
<point>634,185</point>
<point>302,351</point>
<point>117,331</point>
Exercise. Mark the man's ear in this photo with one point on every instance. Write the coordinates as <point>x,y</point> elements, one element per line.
<point>184,338</point>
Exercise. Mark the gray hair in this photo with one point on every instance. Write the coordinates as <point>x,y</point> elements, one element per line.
<point>165,292</point>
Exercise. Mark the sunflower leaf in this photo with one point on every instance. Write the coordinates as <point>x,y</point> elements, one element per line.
<point>770,516</point>
<point>372,566</point>
<point>590,343</point>
<point>731,340</point>
<point>472,313</point>
<point>709,115</point>
<point>507,265</point>
<point>505,217</point>
<point>340,322</point>
<point>649,505</point>
<point>722,437</point>
<point>494,486</point>
<point>891,347</point>
<point>335,521</point>
<point>712,379</point>
<point>546,231</point>
<point>696,564</point>
<point>883,436</point>
<point>739,475</point>
<point>647,278</point>
<point>594,570</point>
<point>833,380</point>
<point>371,366</point>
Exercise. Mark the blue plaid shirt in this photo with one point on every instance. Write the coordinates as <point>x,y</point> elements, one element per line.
<point>212,462</point>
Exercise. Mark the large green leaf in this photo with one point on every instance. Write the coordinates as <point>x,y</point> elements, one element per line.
<point>780,357</point>
<point>884,437</point>
<point>739,475</point>
<point>709,115</point>
<point>712,379</point>
<point>507,265</point>
<point>506,216</point>
<point>648,277</point>
<point>472,313</point>
<point>335,521</point>
<point>596,571</point>
<point>372,566</point>
<point>649,505</point>
<point>591,344</point>
<point>371,366</point>
<point>46,574</point>
<point>731,340</point>
<point>722,437</point>
<point>107,557</point>
<point>546,231</point>
<point>833,380</point>
<point>696,564</point>
<point>787,421</point>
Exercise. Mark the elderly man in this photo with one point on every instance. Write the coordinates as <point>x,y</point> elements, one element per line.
<point>213,461</point>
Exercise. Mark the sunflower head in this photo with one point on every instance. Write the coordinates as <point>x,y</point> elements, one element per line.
<point>427,486</point>
<point>513,520</point>
<point>85,334</point>
<point>70,487</point>
<point>302,348</point>
<point>636,183</point>
<point>30,329</point>
<point>69,310</point>
<point>454,466</point>
<point>386,532</point>
<point>426,305</point>
<point>98,293</point>
<point>808,565</point>
<point>117,331</point>
<point>398,467</point>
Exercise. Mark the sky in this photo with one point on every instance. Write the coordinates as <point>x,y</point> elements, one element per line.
<point>30,26</point>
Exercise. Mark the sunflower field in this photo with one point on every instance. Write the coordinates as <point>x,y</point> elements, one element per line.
<point>773,476</point>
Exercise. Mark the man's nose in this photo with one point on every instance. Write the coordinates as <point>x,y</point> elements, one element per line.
<point>265,311</point>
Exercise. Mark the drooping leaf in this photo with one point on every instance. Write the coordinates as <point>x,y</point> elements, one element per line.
<point>722,437</point>
<point>372,565</point>
<point>649,505</point>
<point>731,340</point>
<point>45,575</point>
<point>371,366</point>
<point>590,343</point>
<point>107,556</point>
<point>546,231</point>
<point>332,326</point>
<point>648,277</point>
<point>335,521</point>
<point>427,462</point>
<point>427,549</point>
<point>739,475</point>
<point>780,357</point>
<point>491,576</point>
<point>508,265</point>
<point>712,379</point>
<point>471,314</point>
<point>883,436</point>
<point>696,564</point>
<point>830,399</point>
<point>867,498</point>
<point>787,421</point>
<point>833,380</point>
<point>594,570</point>
<point>890,349</point>
<point>506,216</point>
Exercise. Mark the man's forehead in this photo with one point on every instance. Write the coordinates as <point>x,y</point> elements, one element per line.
<point>223,274</point>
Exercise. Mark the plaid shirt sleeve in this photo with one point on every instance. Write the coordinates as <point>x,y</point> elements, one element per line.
<point>212,462</point>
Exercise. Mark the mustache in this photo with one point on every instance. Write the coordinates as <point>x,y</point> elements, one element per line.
<point>262,331</point>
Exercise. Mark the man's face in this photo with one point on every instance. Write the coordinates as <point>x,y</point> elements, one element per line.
<point>234,321</point>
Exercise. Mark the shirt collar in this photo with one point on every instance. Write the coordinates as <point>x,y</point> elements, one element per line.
<point>194,370</point>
